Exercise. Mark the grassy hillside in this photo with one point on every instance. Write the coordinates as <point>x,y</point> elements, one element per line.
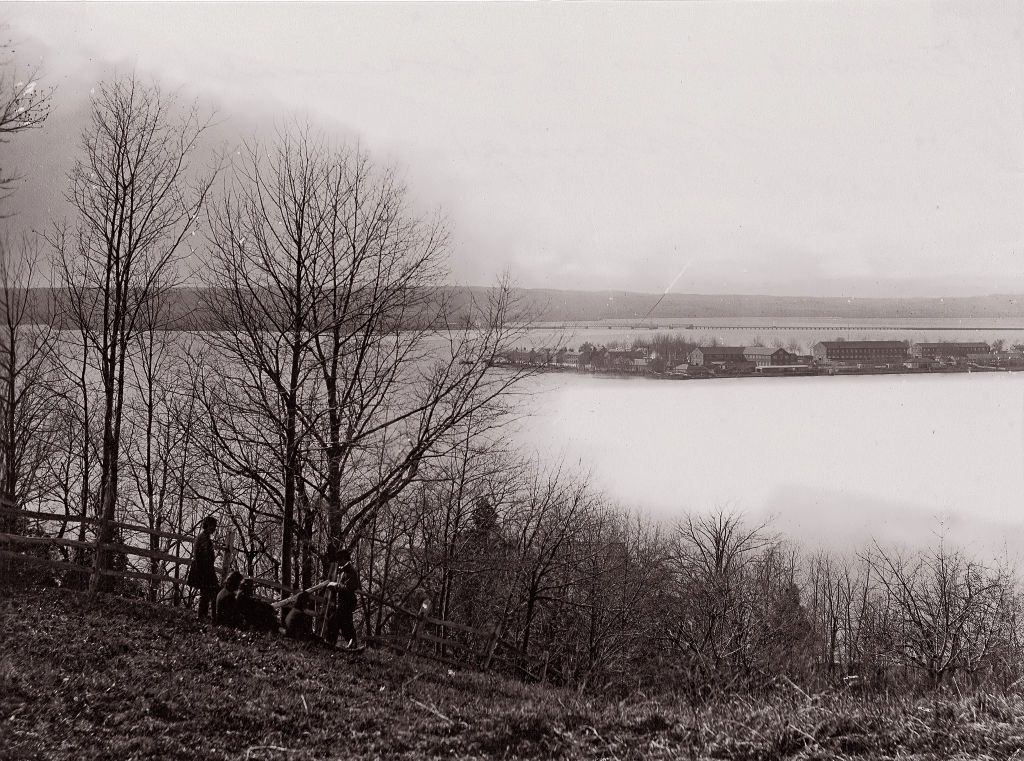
<point>123,680</point>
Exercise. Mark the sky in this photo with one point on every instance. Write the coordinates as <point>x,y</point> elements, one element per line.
<point>853,149</point>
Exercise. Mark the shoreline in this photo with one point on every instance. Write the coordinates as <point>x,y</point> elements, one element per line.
<point>810,373</point>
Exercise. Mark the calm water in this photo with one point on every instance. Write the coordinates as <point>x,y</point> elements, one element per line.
<point>834,460</point>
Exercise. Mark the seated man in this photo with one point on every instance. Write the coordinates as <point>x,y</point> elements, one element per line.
<point>253,612</point>
<point>225,610</point>
<point>299,623</point>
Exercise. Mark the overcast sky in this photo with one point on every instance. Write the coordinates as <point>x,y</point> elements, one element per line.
<point>813,148</point>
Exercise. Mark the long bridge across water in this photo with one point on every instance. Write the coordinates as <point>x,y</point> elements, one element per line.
<point>695,326</point>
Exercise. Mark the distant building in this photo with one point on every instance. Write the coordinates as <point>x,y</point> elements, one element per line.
<point>535,357</point>
<point>519,356</point>
<point>827,352</point>
<point>626,360</point>
<point>693,371</point>
<point>776,370</point>
<point>638,365</point>
<point>705,356</point>
<point>762,355</point>
<point>568,358</point>
<point>997,358</point>
<point>948,350</point>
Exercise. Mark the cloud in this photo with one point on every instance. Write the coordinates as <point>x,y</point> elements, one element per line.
<point>787,148</point>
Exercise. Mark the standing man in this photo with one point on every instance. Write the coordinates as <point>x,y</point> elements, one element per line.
<point>202,574</point>
<point>341,619</point>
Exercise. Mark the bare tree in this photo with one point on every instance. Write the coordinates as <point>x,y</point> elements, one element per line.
<point>546,525</point>
<point>28,390</point>
<point>840,607</point>
<point>161,420</point>
<point>337,357</point>
<point>24,105</point>
<point>939,612</point>
<point>737,604</point>
<point>136,200</point>
<point>26,343</point>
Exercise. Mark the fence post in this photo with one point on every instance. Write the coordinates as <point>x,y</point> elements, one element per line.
<point>229,551</point>
<point>176,588</point>
<point>329,599</point>
<point>544,670</point>
<point>99,555</point>
<point>420,621</point>
<point>491,645</point>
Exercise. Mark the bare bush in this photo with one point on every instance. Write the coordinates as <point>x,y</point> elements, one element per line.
<point>737,609</point>
<point>940,613</point>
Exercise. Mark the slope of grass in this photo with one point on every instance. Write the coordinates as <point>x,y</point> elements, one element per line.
<point>121,679</point>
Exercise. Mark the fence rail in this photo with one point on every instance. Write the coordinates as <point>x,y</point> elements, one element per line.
<point>423,634</point>
<point>8,540</point>
<point>88,519</point>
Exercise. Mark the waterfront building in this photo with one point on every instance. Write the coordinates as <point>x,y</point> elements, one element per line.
<point>763,355</point>
<point>997,359</point>
<point>705,356</point>
<point>922,363</point>
<point>948,349</point>
<point>777,370</point>
<point>568,358</point>
<point>829,352</point>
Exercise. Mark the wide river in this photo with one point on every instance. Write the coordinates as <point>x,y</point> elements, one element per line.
<point>834,461</point>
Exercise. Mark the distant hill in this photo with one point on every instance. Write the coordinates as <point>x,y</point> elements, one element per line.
<point>578,306</point>
<point>186,306</point>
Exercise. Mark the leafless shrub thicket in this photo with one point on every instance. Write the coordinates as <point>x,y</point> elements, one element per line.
<point>603,600</point>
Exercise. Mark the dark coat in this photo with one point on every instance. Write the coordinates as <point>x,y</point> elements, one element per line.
<point>340,619</point>
<point>347,601</point>
<point>202,574</point>
<point>226,611</point>
<point>256,614</point>
<point>298,624</point>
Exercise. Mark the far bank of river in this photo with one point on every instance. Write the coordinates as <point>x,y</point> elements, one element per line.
<point>770,372</point>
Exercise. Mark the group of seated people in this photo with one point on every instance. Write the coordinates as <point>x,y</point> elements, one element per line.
<point>236,605</point>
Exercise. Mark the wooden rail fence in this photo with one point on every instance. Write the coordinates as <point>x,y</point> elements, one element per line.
<point>408,631</point>
<point>10,541</point>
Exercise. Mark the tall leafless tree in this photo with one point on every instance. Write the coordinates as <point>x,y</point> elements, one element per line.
<point>340,360</point>
<point>29,396</point>
<point>137,198</point>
